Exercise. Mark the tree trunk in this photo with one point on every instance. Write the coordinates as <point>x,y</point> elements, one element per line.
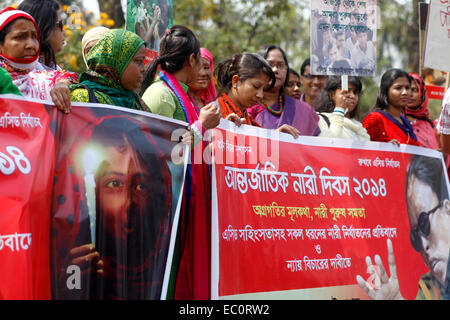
<point>114,10</point>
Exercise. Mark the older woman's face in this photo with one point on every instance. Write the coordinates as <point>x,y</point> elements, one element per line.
<point>122,190</point>
<point>21,42</point>
<point>435,246</point>
<point>276,60</point>
<point>203,77</point>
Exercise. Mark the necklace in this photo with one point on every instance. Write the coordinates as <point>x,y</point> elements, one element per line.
<point>275,112</point>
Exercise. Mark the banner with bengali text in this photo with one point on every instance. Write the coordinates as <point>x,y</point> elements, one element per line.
<point>89,201</point>
<point>296,219</point>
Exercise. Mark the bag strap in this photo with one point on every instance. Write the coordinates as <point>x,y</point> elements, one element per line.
<point>92,97</point>
<point>325,118</point>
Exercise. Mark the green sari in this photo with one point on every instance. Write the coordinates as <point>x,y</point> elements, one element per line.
<point>107,61</point>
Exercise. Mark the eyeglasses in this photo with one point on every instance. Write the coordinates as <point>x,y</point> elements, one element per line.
<point>310,76</point>
<point>423,225</point>
<point>60,25</point>
<point>280,66</point>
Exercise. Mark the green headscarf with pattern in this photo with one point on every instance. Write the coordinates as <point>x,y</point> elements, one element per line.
<point>107,61</point>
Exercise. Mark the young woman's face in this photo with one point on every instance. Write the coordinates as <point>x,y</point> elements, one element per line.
<point>21,42</point>
<point>251,91</point>
<point>56,38</point>
<point>276,60</point>
<point>123,191</point>
<point>414,100</point>
<point>133,75</point>
<point>434,246</point>
<point>293,87</point>
<point>203,78</point>
<point>347,99</point>
<point>399,92</point>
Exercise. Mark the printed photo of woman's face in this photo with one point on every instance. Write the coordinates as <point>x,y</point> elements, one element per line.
<point>123,190</point>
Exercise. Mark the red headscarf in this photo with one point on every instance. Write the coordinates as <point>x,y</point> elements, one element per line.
<point>210,93</point>
<point>421,112</point>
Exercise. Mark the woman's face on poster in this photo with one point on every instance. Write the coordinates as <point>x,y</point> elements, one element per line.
<point>123,191</point>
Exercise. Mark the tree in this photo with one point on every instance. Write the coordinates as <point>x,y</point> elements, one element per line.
<point>113,8</point>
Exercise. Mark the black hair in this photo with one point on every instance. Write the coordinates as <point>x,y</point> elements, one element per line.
<point>305,63</point>
<point>175,48</point>
<point>264,52</point>
<point>290,70</point>
<point>245,65</point>
<point>428,170</point>
<point>386,82</point>
<point>44,12</point>
<point>326,104</point>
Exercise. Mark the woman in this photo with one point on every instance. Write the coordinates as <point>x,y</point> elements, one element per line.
<point>202,89</point>
<point>116,229</point>
<point>277,109</point>
<point>293,86</point>
<point>386,121</point>
<point>116,69</point>
<point>418,115</point>
<point>90,38</point>
<point>167,95</point>
<point>243,80</point>
<point>338,109</point>
<point>47,14</point>
<point>19,54</point>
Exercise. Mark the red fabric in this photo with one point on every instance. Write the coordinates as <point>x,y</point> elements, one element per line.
<point>382,129</point>
<point>228,107</point>
<point>193,278</point>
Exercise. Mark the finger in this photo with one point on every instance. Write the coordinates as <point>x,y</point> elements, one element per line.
<point>391,260</point>
<point>382,271</point>
<point>365,286</point>
<point>65,94</point>
<point>87,260</point>
<point>58,99</point>
<point>82,250</point>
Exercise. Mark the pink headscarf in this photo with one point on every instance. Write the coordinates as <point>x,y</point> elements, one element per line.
<point>210,93</point>
<point>422,111</point>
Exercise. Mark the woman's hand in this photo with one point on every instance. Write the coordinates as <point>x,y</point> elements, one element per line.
<point>210,116</point>
<point>60,94</point>
<point>396,142</point>
<point>87,259</point>
<point>233,117</point>
<point>188,138</point>
<point>289,129</point>
<point>379,286</point>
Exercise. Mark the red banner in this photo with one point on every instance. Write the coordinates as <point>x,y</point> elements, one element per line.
<point>89,201</point>
<point>26,166</point>
<point>296,219</point>
<point>435,92</point>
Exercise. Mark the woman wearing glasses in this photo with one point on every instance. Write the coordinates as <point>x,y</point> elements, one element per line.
<point>276,108</point>
<point>428,206</point>
<point>47,14</point>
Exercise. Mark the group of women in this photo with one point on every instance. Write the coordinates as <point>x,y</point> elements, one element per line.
<point>251,90</point>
